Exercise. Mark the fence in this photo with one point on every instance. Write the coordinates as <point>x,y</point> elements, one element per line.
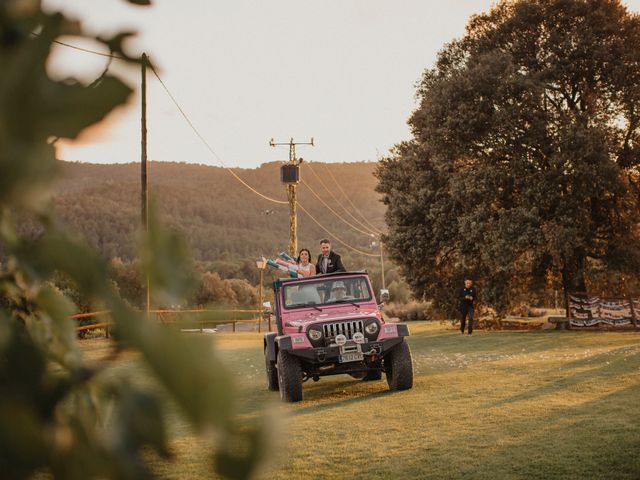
<point>186,319</point>
<point>588,311</point>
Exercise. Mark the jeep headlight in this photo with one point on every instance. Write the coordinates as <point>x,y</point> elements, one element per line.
<point>315,334</point>
<point>371,328</point>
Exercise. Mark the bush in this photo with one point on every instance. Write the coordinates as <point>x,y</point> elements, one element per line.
<point>409,311</point>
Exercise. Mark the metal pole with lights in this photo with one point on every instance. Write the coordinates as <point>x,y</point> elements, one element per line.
<point>290,175</point>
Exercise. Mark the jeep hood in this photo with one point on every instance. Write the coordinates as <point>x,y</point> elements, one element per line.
<point>317,317</point>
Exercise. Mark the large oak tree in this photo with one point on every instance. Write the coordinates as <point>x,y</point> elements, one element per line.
<point>523,164</point>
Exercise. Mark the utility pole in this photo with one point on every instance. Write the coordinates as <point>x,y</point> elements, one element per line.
<point>290,175</point>
<point>261,264</point>
<point>382,264</point>
<point>143,166</point>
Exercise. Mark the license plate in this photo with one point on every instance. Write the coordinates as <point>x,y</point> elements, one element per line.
<point>351,357</point>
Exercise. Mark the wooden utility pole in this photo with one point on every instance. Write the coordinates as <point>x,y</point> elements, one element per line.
<point>382,263</point>
<point>290,175</point>
<point>143,166</point>
<point>261,300</point>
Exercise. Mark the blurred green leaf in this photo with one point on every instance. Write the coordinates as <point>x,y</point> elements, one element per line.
<point>40,258</point>
<point>241,455</point>
<point>166,259</point>
<point>28,397</point>
<point>186,366</point>
<point>57,330</point>
<point>116,47</point>
<point>69,108</point>
<point>57,416</point>
<point>26,171</point>
<point>140,421</point>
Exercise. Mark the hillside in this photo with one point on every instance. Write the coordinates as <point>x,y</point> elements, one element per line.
<point>221,219</point>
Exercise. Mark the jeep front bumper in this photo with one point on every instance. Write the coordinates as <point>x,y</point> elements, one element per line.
<point>341,354</point>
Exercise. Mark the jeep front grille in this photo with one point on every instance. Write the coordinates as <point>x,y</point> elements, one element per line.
<point>347,329</point>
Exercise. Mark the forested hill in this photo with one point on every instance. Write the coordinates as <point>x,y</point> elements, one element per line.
<point>221,218</point>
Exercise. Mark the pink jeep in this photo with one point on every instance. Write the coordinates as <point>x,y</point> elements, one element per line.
<point>329,325</point>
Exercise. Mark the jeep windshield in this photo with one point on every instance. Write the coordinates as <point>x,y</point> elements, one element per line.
<point>317,293</point>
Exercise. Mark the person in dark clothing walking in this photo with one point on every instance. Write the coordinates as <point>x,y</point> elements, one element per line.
<point>328,261</point>
<point>468,296</point>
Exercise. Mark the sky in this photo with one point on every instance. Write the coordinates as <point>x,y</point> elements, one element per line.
<point>245,71</point>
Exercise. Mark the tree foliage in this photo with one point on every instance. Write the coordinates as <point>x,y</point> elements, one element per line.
<point>523,166</point>
<point>58,415</point>
<point>221,219</point>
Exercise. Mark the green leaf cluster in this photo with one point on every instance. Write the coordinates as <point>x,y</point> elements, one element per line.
<point>58,415</point>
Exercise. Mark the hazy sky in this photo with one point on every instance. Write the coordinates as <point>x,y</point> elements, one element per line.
<point>341,71</point>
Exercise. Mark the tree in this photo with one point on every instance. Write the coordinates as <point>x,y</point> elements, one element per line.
<point>523,164</point>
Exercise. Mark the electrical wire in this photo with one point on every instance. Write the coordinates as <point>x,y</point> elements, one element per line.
<point>340,203</point>
<point>195,130</point>
<point>335,236</point>
<point>368,234</point>
<point>86,50</point>
<point>186,117</point>
<point>213,152</point>
<point>349,200</point>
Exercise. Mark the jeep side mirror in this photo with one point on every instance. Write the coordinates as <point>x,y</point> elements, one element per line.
<point>266,306</point>
<point>384,295</point>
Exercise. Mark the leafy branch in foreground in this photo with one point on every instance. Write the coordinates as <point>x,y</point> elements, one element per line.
<point>58,415</point>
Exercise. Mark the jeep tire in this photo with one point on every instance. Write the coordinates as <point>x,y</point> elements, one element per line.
<point>272,374</point>
<point>398,367</point>
<point>289,377</point>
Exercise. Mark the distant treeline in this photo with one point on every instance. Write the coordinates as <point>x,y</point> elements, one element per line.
<point>221,219</point>
<point>226,225</point>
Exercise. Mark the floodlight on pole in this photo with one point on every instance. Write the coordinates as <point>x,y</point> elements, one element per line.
<point>290,176</point>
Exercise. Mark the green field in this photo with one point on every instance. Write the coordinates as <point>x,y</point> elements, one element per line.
<point>497,405</point>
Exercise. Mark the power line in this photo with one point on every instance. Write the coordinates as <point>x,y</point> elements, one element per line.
<point>340,203</point>
<point>349,200</point>
<point>185,116</point>
<point>335,236</point>
<point>334,212</point>
<point>86,50</point>
<point>195,130</point>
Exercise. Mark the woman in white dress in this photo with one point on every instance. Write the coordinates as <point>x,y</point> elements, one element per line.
<point>305,267</point>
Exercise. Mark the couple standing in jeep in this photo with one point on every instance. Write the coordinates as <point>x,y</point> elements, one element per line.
<point>328,261</point>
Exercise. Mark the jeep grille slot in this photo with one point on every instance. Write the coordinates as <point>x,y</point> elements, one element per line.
<point>347,329</point>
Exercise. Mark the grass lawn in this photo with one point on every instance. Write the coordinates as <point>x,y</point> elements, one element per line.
<point>497,405</point>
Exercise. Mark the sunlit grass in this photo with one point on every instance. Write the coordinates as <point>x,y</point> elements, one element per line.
<point>494,405</point>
